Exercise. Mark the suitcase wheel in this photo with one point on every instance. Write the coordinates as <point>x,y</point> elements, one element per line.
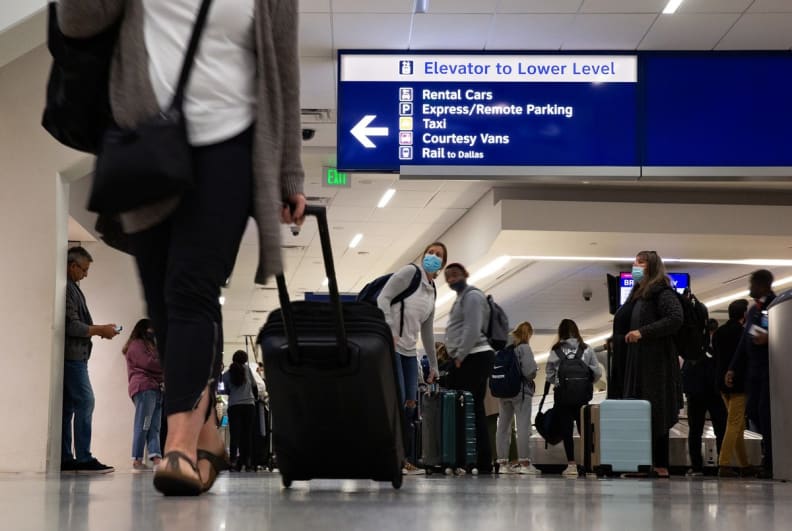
<point>287,482</point>
<point>396,482</point>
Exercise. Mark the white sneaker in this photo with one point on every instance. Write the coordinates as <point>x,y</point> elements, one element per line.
<point>411,470</point>
<point>529,470</point>
<point>571,471</point>
<point>505,468</point>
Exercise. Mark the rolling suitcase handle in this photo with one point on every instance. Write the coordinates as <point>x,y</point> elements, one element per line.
<point>320,213</point>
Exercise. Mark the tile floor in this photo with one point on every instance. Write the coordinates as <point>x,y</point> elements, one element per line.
<point>256,501</point>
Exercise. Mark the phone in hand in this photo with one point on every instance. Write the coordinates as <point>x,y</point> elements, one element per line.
<point>118,329</point>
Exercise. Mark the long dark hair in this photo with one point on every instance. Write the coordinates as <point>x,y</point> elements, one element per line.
<point>238,368</point>
<point>569,329</point>
<point>140,332</point>
<point>655,274</point>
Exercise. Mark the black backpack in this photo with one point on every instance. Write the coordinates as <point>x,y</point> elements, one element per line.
<point>372,290</point>
<point>506,379</point>
<point>575,385</point>
<point>692,338</point>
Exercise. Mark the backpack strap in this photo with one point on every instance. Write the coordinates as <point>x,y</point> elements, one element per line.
<point>412,288</point>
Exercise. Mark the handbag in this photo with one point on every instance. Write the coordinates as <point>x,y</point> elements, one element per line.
<point>546,423</point>
<point>136,167</point>
<point>77,111</point>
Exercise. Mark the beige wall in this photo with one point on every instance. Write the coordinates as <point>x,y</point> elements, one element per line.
<point>34,209</point>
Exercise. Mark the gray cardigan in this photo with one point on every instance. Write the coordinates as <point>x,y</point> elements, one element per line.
<point>277,149</point>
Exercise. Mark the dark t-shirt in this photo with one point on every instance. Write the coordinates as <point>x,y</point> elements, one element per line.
<point>724,344</point>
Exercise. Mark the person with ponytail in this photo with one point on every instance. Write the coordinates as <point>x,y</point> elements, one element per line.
<point>408,318</point>
<point>241,388</point>
<point>145,389</point>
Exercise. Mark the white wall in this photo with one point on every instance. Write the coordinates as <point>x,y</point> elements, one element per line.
<point>33,232</point>
<point>34,209</point>
<point>114,296</point>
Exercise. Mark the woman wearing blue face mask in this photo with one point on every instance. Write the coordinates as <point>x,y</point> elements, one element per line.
<point>408,318</point>
<point>652,315</point>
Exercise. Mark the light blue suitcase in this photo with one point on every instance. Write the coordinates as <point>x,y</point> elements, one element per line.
<point>617,437</point>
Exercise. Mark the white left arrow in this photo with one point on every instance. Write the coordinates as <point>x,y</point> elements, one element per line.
<point>362,131</point>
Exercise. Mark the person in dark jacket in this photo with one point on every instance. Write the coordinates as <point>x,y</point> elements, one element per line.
<point>651,367</point>
<point>724,345</point>
<point>78,395</point>
<point>753,353</point>
<point>700,384</point>
<point>145,389</point>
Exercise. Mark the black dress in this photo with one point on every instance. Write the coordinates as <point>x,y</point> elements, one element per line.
<point>618,358</point>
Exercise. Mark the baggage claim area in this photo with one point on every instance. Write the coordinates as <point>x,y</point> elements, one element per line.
<point>545,143</point>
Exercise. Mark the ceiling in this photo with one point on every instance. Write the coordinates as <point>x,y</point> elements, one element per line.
<point>422,211</point>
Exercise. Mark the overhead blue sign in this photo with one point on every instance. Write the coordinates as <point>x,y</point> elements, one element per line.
<point>485,109</point>
<point>729,109</point>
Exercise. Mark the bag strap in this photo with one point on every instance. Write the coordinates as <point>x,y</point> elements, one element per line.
<point>415,283</point>
<point>546,390</point>
<point>189,57</point>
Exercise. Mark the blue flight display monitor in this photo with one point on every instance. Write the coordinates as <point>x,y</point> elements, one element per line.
<point>680,282</point>
<point>399,109</point>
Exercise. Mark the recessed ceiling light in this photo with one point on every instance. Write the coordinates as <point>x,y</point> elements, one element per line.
<point>386,197</point>
<point>355,240</point>
<point>325,282</point>
<point>671,7</point>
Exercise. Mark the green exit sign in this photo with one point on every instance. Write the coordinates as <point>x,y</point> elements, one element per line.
<point>332,178</point>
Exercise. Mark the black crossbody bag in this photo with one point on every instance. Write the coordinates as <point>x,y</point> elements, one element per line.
<point>136,167</point>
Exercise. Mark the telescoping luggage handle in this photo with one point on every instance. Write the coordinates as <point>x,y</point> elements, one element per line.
<point>320,213</point>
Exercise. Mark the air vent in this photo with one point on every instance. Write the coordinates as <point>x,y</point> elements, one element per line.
<point>316,116</point>
<point>318,200</point>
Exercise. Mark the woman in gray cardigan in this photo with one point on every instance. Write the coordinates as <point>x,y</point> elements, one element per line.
<point>243,117</point>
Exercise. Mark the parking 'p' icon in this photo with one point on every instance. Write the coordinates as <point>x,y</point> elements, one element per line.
<point>405,108</point>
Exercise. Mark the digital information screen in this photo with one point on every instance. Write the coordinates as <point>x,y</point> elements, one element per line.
<point>680,281</point>
<point>486,109</point>
<point>729,109</point>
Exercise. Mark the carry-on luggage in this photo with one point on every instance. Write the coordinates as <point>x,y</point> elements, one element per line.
<point>331,372</point>
<point>617,437</point>
<point>448,431</point>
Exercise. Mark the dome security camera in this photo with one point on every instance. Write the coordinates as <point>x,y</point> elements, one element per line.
<point>308,134</point>
<point>587,295</point>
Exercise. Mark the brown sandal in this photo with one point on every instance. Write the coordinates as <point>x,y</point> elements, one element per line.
<point>218,464</point>
<point>169,479</point>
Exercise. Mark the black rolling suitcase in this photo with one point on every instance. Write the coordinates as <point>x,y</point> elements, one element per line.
<point>332,381</point>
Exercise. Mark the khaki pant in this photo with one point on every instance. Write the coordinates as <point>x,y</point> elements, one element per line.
<point>733,440</point>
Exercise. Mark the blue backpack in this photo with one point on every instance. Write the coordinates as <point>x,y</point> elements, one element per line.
<point>371,292</point>
<point>506,380</point>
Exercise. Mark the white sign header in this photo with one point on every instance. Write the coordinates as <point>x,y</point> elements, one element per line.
<point>472,68</point>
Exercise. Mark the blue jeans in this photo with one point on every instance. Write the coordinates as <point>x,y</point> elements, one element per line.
<point>407,376</point>
<point>78,405</point>
<point>148,413</point>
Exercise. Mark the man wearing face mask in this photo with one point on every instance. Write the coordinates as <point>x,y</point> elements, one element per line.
<point>409,312</point>
<point>753,354</point>
<point>473,357</point>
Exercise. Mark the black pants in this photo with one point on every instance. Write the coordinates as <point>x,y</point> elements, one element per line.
<point>757,408</point>
<point>660,449</point>
<point>240,425</point>
<point>185,260</point>
<point>568,418</point>
<point>698,405</point>
<point>472,376</point>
